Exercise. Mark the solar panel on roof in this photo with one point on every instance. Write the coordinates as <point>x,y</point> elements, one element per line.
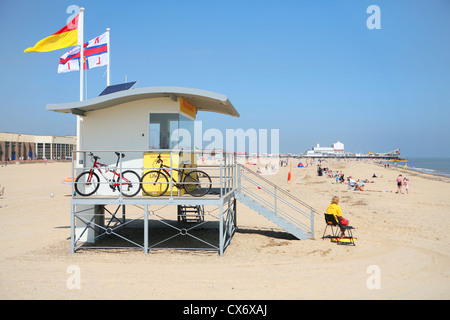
<point>117,88</point>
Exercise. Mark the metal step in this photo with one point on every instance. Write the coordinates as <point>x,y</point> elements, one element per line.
<point>191,214</point>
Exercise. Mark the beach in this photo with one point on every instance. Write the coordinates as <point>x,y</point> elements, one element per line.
<point>401,251</point>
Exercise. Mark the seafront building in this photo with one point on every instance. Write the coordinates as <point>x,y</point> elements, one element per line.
<point>336,150</point>
<point>18,146</point>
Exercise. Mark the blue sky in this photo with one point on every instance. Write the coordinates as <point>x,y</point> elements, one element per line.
<point>309,68</point>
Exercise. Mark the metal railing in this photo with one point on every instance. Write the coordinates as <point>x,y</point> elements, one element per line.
<point>228,178</point>
<point>220,168</point>
<point>282,203</point>
<point>95,221</point>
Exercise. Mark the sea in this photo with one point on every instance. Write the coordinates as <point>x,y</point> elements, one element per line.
<point>439,166</point>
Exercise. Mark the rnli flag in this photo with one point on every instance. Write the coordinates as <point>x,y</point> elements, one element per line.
<point>95,55</point>
<point>66,37</point>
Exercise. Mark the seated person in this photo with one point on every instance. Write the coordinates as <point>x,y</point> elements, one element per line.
<point>335,210</point>
<point>351,183</point>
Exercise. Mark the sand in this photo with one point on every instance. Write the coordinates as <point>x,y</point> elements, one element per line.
<point>402,249</point>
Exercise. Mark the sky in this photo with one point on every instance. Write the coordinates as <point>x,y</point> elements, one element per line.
<point>310,68</point>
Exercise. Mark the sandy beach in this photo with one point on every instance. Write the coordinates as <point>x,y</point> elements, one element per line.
<point>403,237</point>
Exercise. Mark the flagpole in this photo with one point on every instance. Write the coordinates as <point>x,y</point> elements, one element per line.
<point>81,43</point>
<point>108,79</point>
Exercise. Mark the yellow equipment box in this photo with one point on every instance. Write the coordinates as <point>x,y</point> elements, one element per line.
<point>151,164</point>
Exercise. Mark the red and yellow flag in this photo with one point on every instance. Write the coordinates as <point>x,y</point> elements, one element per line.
<point>66,37</point>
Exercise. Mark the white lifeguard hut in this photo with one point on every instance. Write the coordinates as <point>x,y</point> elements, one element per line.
<point>141,124</point>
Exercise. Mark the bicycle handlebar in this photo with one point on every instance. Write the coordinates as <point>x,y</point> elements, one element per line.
<point>93,157</point>
<point>97,157</point>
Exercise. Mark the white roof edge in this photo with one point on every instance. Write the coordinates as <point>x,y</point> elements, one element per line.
<point>213,102</point>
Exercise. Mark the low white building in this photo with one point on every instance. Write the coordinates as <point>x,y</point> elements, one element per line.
<point>336,149</point>
<point>19,146</point>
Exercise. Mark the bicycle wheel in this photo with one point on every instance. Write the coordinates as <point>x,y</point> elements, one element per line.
<point>197,183</point>
<point>87,183</point>
<point>154,183</point>
<point>131,183</point>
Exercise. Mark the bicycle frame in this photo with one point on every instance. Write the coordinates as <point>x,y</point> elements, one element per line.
<point>181,172</point>
<point>112,183</point>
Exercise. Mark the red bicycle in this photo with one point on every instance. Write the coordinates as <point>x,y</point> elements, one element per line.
<point>88,182</point>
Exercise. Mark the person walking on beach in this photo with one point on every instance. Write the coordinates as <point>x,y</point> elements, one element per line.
<point>405,183</point>
<point>399,184</point>
<point>335,210</point>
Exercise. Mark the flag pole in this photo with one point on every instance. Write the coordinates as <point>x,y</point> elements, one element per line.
<point>108,79</point>
<point>81,43</point>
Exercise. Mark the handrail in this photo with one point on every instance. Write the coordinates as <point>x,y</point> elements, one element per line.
<point>223,169</point>
<point>281,203</point>
<point>280,212</point>
<point>279,189</point>
<point>274,195</point>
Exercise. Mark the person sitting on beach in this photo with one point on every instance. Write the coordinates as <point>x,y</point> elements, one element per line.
<point>351,183</point>
<point>319,170</point>
<point>335,210</point>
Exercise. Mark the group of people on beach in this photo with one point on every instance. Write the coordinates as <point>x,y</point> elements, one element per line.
<point>339,177</point>
<point>402,182</point>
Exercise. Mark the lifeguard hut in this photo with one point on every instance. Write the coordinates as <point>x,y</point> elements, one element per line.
<point>143,124</point>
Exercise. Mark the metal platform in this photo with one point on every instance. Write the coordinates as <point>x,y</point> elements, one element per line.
<point>109,220</point>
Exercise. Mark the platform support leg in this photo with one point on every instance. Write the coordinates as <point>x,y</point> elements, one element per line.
<point>221,230</point>
<point>72,230</point>
<point>146,229</point>
<point>87,222</point>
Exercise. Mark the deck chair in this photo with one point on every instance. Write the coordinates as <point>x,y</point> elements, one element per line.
<point>331,222</point>
<point>348,229</point>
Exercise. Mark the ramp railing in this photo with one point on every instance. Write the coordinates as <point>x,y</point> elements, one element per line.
<point>275,203</point>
